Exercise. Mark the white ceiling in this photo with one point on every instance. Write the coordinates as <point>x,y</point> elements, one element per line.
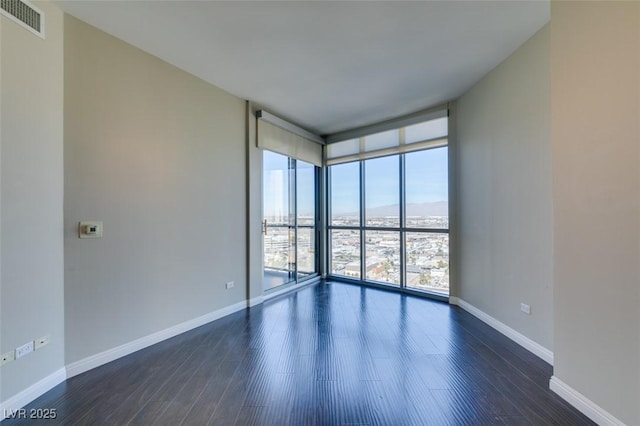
<point>326,65</point>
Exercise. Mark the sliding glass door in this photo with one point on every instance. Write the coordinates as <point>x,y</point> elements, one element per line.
<point>306,206</point>
<point>289,220</point>
<point>278,225</point>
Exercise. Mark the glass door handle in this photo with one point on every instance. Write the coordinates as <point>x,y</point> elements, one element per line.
<point>264,227</point>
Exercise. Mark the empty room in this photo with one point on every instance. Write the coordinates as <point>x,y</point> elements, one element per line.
<point>319,212</point>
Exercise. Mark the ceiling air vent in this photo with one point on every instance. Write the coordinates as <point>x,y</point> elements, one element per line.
<point>24,14</point>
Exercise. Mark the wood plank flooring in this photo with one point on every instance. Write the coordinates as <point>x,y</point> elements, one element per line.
<point>329,354</point>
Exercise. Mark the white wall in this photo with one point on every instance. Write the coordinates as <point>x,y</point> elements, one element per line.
<point>595,104</point>
<point>504,203</point>
<point>159,156</point>
<point>31,176</point>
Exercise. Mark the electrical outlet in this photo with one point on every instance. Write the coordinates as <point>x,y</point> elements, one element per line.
<point>8,357</point>
<point>25,349</point>
<point>230,284</point>
<point>525,308</point>
<point>90,229</point>
<point>43,341</point>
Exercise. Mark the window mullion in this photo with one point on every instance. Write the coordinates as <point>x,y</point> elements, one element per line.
<point>402,216</point>
<point>363,265</point>
<point>294,199</point>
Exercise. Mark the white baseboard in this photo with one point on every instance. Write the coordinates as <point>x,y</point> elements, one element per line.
<point>566,392</point>
<point>102,358</point>
<point>41,387</point>
<point>34,391</point>
<point>291,288</point>
<point>255,301</point>
<point>582,403</point>
<point>512,334</point>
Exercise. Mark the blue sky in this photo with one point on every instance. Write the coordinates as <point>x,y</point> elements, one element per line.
<point>426,181</point>
<point>276,196</point>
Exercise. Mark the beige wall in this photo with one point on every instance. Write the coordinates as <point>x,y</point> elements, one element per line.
<point>595,81</point>
<point>504,204</point>
<point>159,156</point>
<point>31,176</point>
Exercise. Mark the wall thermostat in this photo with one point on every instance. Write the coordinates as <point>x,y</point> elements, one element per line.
<point>90,229</point>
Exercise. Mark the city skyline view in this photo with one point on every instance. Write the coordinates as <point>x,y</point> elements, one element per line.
<point>426,255</point>
<point>364,223</point>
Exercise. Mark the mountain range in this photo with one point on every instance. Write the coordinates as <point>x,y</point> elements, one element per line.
<point>436,208</point>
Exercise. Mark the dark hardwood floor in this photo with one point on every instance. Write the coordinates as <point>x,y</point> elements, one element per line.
<point>329,354</point>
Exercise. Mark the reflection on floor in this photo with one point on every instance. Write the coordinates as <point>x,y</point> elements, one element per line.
<point>273,279</point>
<point>328,354</point>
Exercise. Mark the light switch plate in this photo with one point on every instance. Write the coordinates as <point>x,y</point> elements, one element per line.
<point>25,349</point>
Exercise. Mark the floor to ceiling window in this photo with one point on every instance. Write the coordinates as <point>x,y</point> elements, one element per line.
<point>388,207</point>
<point>289,219</point>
